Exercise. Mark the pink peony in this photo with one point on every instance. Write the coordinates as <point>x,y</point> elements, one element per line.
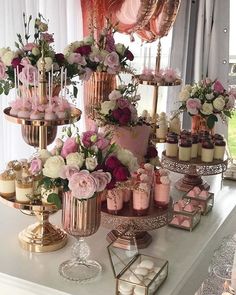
<point>193,105</point>
<point>218,87</point>
<point>102,178</point>
<point>87,138</point>
<point>3,68</point>
<point>67,171</point>
<point>29,46</point>
<point>83,185</point>
<point>70,146</point>
<point>36,165</point>
<point>120,173</point>
<point>112,60</point>
<point>27,75</point>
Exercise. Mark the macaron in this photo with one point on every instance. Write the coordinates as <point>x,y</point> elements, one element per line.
<point>138,290</point>
<point>141,271</point>
<point>136,279</point>
<point>125,288</point>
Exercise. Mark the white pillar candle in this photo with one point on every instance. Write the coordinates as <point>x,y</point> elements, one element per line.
<point>62,70</point>
<point>65,83</point>
<point>149,58</point>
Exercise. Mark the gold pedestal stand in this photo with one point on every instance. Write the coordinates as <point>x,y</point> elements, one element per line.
<point>41,236</point>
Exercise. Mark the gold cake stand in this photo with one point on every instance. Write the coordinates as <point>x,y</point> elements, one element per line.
<point>134,225</point>
<point>193,171</point>
<point>41,236</point>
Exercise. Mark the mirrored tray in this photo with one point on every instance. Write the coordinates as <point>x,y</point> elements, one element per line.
<point>41,236</point>
<point>136,225</point>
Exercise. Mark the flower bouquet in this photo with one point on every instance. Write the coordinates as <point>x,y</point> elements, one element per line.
<point>119,114</point>
<point>207,99</point>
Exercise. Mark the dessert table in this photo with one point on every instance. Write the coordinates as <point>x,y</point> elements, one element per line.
<point>188,253</point>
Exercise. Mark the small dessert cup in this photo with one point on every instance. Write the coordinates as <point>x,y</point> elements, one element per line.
<point>141,201</point>
<point>24,189</point>
<point>161,195</point>
<point>207,151</point>
<point>115,200</point>
<point>219,149</point>
<point>185,147</point>
<point>7,183</point>
<point>172,146</point>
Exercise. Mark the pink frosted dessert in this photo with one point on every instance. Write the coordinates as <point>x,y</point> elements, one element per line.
<point>162,188</point>
<point>115,199</point>
<point>35,115</point>
<point>189,208</point>
<point>61,114</point>
<point>25,114</point>
<point>14,112</point>
<point>204,194</point>
<point>50,116</point>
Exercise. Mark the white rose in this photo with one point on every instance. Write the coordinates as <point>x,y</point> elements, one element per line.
<point>207,108</point>
<point>106,106</point>
<point>89,40</point>
<point>91,163</point>
<point>35,51</point>
<point>128,159</point>
<point>219,103</point>
<point>194,90</point>
<point>52,166</point>
<point>68,50</point>
<point>48,63</point>
<point>44,155</point>
<point>8,57</point>
<point>3,50</point>
<point>114,95</point>
<point>120,48</point>
<point>75,159</point>
<point>184,95</point>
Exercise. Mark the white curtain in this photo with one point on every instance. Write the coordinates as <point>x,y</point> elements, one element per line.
<point>65,21</point>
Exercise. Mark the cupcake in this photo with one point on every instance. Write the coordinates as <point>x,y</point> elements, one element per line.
<point>207,151</point>
<point>172,145</point>
<point>24,189</point>
<point>219,149</point>
<point>194,149</point>
<point>162,188</point>
<point>185,146</point>
<point>7,183</point>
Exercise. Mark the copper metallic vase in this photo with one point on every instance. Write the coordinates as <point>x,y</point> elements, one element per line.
<point>97,90</point>
<point>80,218</point>
<point>30,134</point>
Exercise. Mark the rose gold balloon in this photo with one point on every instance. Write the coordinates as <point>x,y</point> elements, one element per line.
<point>131,15</point>
<point>161,25</point>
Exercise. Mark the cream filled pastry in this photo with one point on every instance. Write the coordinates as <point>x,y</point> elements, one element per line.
<point>7,183</point>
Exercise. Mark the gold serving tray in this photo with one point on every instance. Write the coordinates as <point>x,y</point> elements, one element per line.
<point>75,116</point>
<point>155,83</point>
<point>41,236</point>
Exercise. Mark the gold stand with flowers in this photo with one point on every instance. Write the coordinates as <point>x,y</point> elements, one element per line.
<point>41,236</point>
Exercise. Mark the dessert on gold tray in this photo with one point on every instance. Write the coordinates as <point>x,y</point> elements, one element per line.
<point>7,183</point>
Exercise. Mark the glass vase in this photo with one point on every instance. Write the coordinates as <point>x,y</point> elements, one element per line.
<point>80,218</point>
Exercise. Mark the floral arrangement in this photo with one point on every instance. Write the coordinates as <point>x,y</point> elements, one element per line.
<point>121,108</point>
<point>163,76</point>
<point>26,59</point>
<point>85,165</point>
<point>103,55</point>
<point>208,99</point>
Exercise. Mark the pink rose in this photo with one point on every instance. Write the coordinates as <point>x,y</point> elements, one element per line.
<point>67,171</point>
<point>76,58</point>
<point>233,91</point>
<point>36,165</point>
<point>231,102</point>
<point>102,178</point>
<point>25,62</point>
<point>3,68</point>
<point>47,37</point>
<point>83,185</point>
<point>29,46</point>
<point>122,103</point>
<point>114,70</point>
<point>170,75</point>
<point>120,173</point>
<point>70,146</point>
<point>218,87</point>
<point>193,105</point>
<point>86,138</point>
<point>27,75</point>
<point>112,60</point>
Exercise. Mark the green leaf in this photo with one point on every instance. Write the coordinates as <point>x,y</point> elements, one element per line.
<point>211,121</point>
<point>75,91</point>
<point>54,198</point>
<point>1,90</point>
<point>227,113</point>
<point>6,90</point>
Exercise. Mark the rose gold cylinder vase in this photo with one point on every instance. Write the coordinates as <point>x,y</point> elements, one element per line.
<point>80,218</point>
<point>199,124</point>
<point>97,90</point>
